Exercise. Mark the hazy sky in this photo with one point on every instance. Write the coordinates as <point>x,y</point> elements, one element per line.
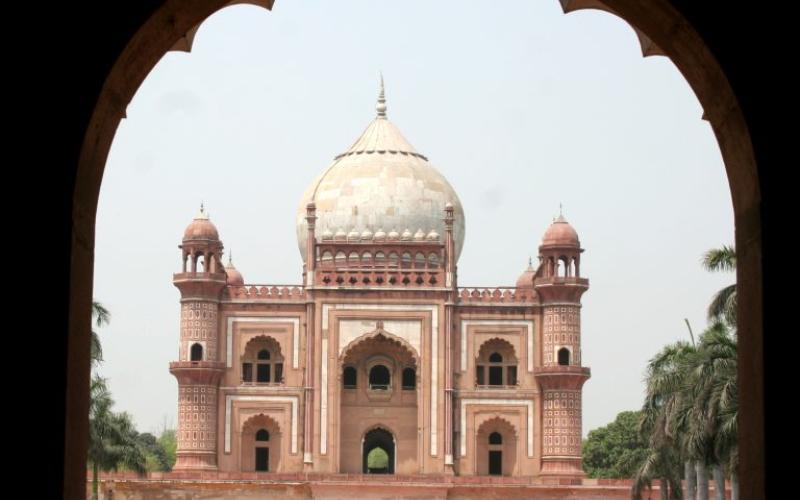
<point>521,108</point>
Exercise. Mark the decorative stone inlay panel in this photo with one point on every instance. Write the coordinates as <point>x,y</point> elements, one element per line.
<point>561,328</point>
<point>197,418</point>
<point>199,324</point>
<point>562,423</point>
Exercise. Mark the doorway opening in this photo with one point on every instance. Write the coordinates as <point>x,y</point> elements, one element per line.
<point>378,452</point>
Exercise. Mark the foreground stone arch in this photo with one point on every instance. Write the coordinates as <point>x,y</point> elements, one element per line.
<point>661,29</point>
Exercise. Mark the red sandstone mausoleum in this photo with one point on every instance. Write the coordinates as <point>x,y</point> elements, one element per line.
<point>379,348</point>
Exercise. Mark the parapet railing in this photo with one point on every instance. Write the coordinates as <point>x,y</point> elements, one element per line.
<point>501,294</point>
<point>267,292</point>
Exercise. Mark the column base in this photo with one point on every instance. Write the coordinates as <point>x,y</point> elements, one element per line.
<point>562,470</point>
<point>449,470</point>
<point>190,461</point>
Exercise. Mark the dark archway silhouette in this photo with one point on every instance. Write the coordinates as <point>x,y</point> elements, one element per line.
<point>378,438</point>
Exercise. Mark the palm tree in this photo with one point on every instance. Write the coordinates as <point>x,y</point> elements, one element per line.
<point>112,437</point>
<point>664,402</point>
<point>691,407</point>
<point>723,305</point>
<point>716,396</point>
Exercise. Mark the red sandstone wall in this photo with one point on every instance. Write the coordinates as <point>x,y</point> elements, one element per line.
<point>348,486</point>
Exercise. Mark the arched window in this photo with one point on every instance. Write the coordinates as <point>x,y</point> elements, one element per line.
<point>379,378</point>
<point>419,260</point>
<point>495,438</point>
<point>393,259</point>
<point>495,369</point>
<point>366,259</point>
<point>327,258</point>
<point>197,352</point>
<point>349,377</point>
<point>352,259</point>
<point>200,263</point>
<point>563,356</point>
<point>496,365</point>
<point>433,261</point>
<point>262,435</point>
<point>380,259</point>
<point>341,259</point>
<point>406,263</point>
<point>563,267</point>
<point>212,261</point>
<point>409,379</point>
<point>262,356</point>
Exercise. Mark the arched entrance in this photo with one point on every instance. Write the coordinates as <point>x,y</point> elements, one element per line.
<point>496,446</point>
<point>260,445</point>
<point>378,453</point>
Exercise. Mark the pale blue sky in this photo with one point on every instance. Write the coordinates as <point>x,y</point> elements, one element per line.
<point>521,108</point>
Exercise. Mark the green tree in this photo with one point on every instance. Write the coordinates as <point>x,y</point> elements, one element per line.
<point>712,421</point>
<point>112,437</point>
<point>156,456</point>
<point>691,408</point>
<point>169,443</point>
<point>113,440</point>
<point>616,450</point>
<point>377,458</point>
<point>660,422</point>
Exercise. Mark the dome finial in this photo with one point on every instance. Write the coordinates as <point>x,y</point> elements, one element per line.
<point>381,106</point>
<point>230,258</point>
<point>202,215</point>
<point>530,263</point>
<point>560,214</point>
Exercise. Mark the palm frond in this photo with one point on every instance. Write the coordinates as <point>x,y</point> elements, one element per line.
<point>720,259</point>
<point>723,305</point>
<point>96,349</point>
<point>100,314</point>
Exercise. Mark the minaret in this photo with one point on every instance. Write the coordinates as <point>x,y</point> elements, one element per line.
<point>198,369</point>
<point>561,376</point>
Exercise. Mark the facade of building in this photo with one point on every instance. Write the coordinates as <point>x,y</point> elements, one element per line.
<point>379,362</point>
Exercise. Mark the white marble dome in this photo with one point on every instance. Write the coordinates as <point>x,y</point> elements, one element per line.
<point>381,181</point>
